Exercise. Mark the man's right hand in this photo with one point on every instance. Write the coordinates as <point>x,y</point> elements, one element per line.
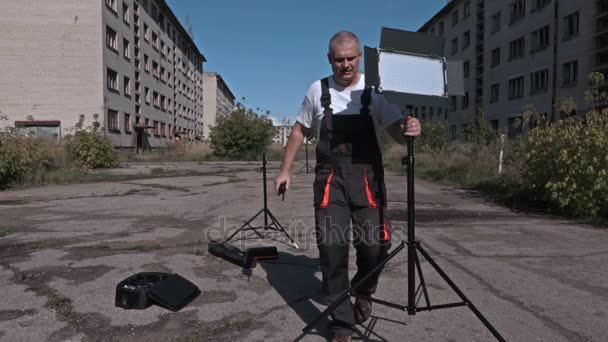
<point>283,177</point>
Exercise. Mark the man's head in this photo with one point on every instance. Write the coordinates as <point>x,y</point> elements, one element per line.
<point>344,56</point>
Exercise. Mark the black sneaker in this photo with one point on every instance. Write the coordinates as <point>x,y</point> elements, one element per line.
<point>363,309</point>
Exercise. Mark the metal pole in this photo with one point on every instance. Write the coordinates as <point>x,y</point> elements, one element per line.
<point>411,237</point>
<point>265,194</point>
<point>306,150</point>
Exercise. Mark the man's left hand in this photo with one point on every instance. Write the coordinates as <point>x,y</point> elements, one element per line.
<point>411,127</point>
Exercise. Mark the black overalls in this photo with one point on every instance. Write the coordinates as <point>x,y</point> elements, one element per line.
<point>349,185</point>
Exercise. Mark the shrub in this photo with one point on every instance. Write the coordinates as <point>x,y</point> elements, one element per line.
<point>434,136</point>
<point>567,163</point>
<point>22,157</point>
<point>241,135</point>
<point>89,149</point>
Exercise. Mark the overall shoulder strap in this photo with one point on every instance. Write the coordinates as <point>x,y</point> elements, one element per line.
<point>326,97</point>
<point>366,100</point>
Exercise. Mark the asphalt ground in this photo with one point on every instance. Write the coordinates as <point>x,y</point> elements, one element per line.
<point>534,277</point>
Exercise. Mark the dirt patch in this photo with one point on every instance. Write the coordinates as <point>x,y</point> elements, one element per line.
<point>8,315</point>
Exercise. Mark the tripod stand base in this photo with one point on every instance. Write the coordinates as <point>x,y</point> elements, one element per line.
<point>274,225</point>
<point>411,306</point>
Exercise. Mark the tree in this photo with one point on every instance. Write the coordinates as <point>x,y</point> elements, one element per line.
<point>242,135</point>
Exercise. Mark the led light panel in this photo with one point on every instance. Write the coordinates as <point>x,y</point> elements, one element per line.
<point>405,73</point>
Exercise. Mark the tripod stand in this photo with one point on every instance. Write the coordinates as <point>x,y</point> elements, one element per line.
<point>274,224</point>
<point>413,267</point>
<point>306,165</point>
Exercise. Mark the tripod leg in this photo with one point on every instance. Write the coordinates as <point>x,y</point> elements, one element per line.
<point>460,294</point>
<point>280,227</point>
<point>245,225</point>
<point>422,282</point>
<point>352,289</point>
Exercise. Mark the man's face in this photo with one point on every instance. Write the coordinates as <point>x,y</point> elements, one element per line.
<point>344,59</point>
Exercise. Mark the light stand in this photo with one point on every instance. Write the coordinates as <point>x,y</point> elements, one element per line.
<point>274,224</point>
<point>413,266</point>
<point>306,165</point>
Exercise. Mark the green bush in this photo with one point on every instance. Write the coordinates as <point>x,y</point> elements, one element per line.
<point>434,137</point>
<point>21,157</point>
<point>243,135</point>
<point>567,163</point>
<point>89,149</point>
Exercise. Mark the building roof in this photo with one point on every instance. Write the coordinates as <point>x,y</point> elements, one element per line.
<point>168,10</point>
<point>442,12</point>
<point>221,81</point>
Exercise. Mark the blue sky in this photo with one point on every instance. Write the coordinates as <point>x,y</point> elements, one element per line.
<point>269,51</point>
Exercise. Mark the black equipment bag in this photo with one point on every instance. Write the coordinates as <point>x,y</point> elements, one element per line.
<point>174,292</point>
<point>141,290</point>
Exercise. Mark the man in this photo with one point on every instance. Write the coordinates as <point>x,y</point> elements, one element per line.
<point>348,119</point>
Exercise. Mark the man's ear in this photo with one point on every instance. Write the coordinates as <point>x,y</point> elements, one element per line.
<point>329,57</point>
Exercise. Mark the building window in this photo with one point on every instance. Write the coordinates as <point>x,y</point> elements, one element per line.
<point>454,46</point>
<point>466,39</point>
<point>155,99</point>
<point>466,69</point>
<point>516,87</point>
<point>441,28</point>
<point>155,69</point>
<point>146,63</point>
<point>539,81</point>
<point>147,94</point>
<point>494,92</point>
<point>111,4</point>
<point>155,41</point>
<point>571,25</point>
<point>517,48</point>
<point>113,120</point>
<point>112,80</point>
<point>453,103</point>
<point>539,4</point>
<point>495,58</point>
<point>432,31</point>
<point>518,10</point>
<point>467,10</point>
<point>156,128</point>
<point>455,18</point>
<point>569,73</point>
<point>163,103</point>
<point>127,122</point>
<point>515,126</point>
<point>540,39</point>
<point>154,13</point>
<point>111,42</point>
<point>126,49</point>
<point>127,86</point>
<point>125,13</point>
<point>495,22</point>
<point>465,101</point>
<point>146,33</point>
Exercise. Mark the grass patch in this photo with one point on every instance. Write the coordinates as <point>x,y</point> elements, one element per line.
<point>4,231</point>
<point>61,304</point>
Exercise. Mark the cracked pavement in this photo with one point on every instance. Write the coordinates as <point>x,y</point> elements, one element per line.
<point>534,277</point>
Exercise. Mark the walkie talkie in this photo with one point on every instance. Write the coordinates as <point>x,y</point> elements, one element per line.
<point>282,190</point>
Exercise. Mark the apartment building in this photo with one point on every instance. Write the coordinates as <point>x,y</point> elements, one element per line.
<point>521,52</point>
<point>130,63</point>
<point>219,100</point>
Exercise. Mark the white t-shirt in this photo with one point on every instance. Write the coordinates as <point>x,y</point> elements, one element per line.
<point>346,101</point>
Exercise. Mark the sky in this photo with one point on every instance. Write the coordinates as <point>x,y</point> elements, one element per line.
<point>270,51</point>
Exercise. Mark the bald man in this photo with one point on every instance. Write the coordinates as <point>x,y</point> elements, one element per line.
<point>349,190</point>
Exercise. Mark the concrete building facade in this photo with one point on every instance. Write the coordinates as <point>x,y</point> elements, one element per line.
<point>520,52</point>
<point>219,101</point>
<point>130,63</point>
